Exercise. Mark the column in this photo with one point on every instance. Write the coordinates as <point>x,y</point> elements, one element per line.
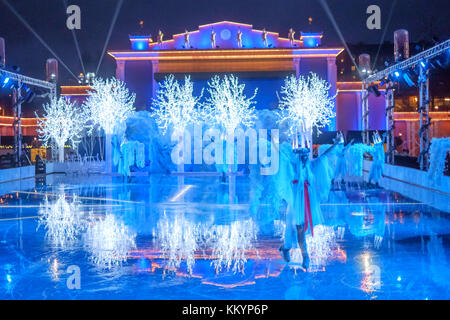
<point>297,67</point>
<point>120,70</point>
<point>155,69</point>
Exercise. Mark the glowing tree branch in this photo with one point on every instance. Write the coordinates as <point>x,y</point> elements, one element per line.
<point>305,103</point>
<point>228,106</point>
<point>63,122</point>
<point>175,105</point>
<point>109,104</point>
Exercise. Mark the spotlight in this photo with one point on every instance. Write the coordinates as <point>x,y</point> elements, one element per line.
<point>29,95</point>
<point>397,74</point>
<point>408,80</point>
<point>423,64</point>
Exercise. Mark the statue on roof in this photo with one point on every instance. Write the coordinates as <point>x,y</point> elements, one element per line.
<point>186,39</point>
<point>291,36</point>
<point>264,37</point>
<point>160,36</point>
<point>239,38</point>
<point>213,39</point>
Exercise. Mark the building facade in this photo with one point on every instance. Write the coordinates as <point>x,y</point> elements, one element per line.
<point>261,59</point>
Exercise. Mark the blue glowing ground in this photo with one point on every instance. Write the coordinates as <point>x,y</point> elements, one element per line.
<point>165,238</point>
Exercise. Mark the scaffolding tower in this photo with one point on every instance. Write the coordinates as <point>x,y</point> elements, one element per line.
<point>421,60</point>
<point>17,101</point>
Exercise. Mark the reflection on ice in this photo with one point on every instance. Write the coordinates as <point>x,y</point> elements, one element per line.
<point>230,244</point>
<point>321,247</point>
<point>62,220</point>
<point>179,239</point>
<point>371,280</point>
<point>109,241</point>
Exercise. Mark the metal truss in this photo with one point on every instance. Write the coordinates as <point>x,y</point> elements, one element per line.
<point>424,101</point>
<point>17,96</point>
<point>425,55</point>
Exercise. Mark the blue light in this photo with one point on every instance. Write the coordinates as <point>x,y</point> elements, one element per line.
<point>140,45</point>
<point>6,80</point>
<point>422,64</point>
<point>397,74</point>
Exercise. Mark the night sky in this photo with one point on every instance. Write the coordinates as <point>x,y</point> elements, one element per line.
<point>423,19</point>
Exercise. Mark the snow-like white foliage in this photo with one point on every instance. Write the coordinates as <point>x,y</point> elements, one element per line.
<point>62,122</point>
<point>438,153</point>
<point>62,220</point>
<point>175,105</point>
<point>109,241</point>
<point>230,244</point>
<point>178,239</point>
<point>305,103</point>
<point>228,106</point>
<point>109,103</point>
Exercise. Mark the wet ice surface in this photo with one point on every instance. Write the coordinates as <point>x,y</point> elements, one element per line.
<point>171,238</point>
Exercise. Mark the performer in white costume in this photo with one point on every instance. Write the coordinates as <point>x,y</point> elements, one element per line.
<point>376,171</point>
<point>296,184</point>
<point>341,164</point>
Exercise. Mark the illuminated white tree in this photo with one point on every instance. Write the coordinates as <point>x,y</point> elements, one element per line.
<point>228,105</point>
<point>305,103</point>
<point>175,105</point>
<point>62,122</point>
<point>109,104</point>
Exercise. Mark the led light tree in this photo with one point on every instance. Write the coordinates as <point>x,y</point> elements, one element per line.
<point>229,108</point>
<point>175,107</point>
<point>228,105</point>
<point>305,103</point>
<point>109,104</point>
<point>62,122</point>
